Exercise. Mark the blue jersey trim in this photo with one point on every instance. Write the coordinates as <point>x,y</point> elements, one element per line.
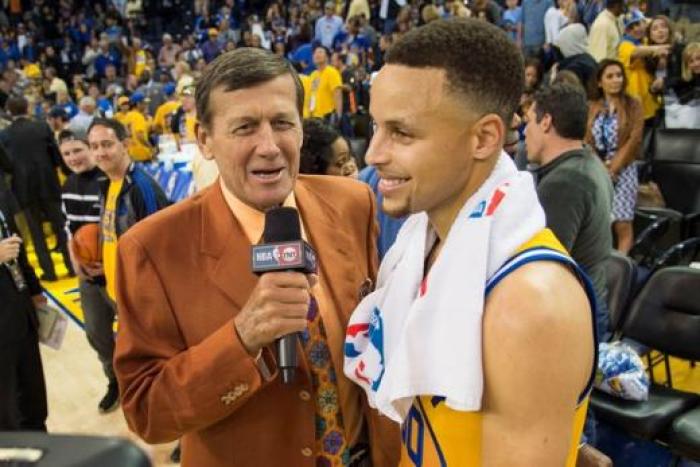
<point>438,448</point>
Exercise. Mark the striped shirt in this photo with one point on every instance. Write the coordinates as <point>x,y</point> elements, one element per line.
<point>80,199</point>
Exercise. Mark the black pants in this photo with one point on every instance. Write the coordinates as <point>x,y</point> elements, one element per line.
<point>23,403</point>
<point>52,212</point>
<point>99,311</point>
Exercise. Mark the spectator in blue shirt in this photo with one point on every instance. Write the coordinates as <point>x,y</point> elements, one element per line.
<point>388,226</point>
<point>590,10</point>
<point>351,38</point>
<point>63,100</point>
<point>303,55</point>
<point>113,30</point>
<point>513,21</point>
<point>205,22</point>
<point>533,25</point>
<point>29,51</point>
<point>211,48</point>
<point>13,51</point>
<point>105,58</point>
<point>4,57</point>
<point>104,106</point>
<point>328,26</point>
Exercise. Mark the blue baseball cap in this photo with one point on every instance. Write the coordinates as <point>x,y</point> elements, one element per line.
<point>169,89</point>
<point>633,17</point>
<point>137,97</point>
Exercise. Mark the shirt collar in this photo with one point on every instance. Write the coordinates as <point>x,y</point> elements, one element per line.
<point>543,170</point>
<point>252,220</point>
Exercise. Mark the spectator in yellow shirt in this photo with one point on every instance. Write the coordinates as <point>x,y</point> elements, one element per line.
<point>138,125</point>
<point>123,108</point>
<point>167,108</point>
<point>137,57</point>
<point>306,84</point>
<point>184,119</point>
<point>326,88</point>
<point>631,52</point>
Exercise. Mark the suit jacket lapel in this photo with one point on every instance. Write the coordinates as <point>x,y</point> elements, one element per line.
<point>333,247</point>
<point>227,252</point>
<point>227,248</point>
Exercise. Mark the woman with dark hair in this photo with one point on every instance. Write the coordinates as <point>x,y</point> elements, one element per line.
<point>533,74</point>
<point>615,125</point>
<point>325,151</point>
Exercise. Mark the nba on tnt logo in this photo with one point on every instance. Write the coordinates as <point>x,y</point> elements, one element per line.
<point>287,254</point>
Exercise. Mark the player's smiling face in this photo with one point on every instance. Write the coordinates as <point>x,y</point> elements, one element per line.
<point>422,143</point>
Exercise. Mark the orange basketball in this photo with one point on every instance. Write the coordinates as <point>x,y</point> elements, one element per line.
<point>86,244</point>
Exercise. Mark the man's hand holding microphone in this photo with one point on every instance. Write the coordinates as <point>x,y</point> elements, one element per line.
<point>278,306</point>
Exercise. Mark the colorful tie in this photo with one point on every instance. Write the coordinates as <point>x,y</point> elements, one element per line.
<point>331,445</point>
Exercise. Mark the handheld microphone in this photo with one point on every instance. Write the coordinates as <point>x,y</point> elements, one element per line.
<point>282,249</point>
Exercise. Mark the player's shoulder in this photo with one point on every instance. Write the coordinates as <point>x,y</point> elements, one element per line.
<point>536,300</point>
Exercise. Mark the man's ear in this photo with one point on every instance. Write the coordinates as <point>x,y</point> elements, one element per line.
<point>490,132</point>
<point>204,141</point>
<point>546,123</point>
<point>126,142</point>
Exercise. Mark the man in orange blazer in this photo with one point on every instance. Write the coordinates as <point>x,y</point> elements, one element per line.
<point>194,354</point>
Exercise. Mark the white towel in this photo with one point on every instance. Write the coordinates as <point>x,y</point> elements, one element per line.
<point>404,342</point>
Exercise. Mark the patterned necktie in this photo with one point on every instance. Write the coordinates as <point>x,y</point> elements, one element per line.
<point>331,446</point>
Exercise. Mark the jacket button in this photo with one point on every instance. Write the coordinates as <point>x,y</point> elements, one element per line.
<point>306,452</point>
<point>229,398</point>
<point>304,395</point>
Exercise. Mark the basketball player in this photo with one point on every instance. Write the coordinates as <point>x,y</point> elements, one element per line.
<point>506,379</point>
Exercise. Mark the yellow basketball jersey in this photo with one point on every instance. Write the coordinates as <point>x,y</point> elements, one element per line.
<point>435,435</point>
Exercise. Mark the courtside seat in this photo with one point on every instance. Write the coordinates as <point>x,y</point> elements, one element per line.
<point>664,316</point>
<point>684,436</point>
<point>675,167</point>
<point>657,229</point>
<point>620,273</point>
<point>681,254</point>
<point>647,419</point>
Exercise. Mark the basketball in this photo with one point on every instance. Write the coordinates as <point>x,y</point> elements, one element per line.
<point>86,244</point>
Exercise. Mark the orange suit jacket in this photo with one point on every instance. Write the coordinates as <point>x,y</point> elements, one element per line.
<point>183,274</point>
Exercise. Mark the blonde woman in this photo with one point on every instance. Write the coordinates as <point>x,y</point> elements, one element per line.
<point>683,94</point>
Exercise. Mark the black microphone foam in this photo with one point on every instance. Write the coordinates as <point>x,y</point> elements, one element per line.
<point>282,225</point>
